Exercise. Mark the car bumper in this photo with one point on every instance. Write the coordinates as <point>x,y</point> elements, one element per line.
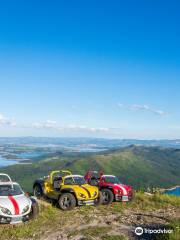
<point>86,202</point>
<point>14,219</point>
<point>120,198</point>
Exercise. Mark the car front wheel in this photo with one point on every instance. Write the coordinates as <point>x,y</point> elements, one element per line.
<point>108,196</point>
<point>67,201</point>
<point>34,210</point>
<point>37,190</point>
<point>99,200</point>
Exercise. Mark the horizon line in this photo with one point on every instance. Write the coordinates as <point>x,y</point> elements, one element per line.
<point>139,139</point>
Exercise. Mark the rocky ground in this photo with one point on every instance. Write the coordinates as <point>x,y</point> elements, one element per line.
<point>113,225</point>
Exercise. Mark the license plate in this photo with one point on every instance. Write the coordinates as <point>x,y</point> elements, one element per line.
<point>16,220</point>
<point>125,198</point>
<point>89,203</point>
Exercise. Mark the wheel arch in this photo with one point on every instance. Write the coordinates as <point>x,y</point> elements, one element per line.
<point>109,188</point>
<point>40,183</point>
<point>68,190</point>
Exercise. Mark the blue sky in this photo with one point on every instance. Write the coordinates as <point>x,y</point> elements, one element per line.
<point>90,68</point>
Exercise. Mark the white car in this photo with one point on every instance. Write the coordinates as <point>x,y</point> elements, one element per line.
<point>15,205</point>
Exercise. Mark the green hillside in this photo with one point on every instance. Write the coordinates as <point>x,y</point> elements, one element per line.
<point>135,165</point>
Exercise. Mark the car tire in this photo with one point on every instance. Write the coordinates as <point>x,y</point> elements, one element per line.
<point>67,201</point>
<point>132,197</point>
<point>37,191</point>
<point>99,200</point>
<point>107,196</point>
<point>34,210</point>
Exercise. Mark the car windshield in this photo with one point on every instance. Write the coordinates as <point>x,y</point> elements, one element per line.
<point>96,175</point>
<point>75,180</point>
<point>10,189</point>
<point>111,179</point>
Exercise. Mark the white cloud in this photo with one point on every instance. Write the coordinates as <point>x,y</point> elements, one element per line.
<point>159,112</point>
<point>13,124</point>
<point>137,107</point>
<point>82,128</point>
<point>48,124</point>
<point>6,121</point>
<point>140,107</point>
<point>52,122</point>
<point>120,105</point>
<point>3,119</point>
<point>69,128</point>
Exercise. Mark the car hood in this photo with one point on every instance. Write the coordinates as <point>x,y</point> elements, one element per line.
<point>87,190</point>
<point>124,188</point>
<point>15,204</point>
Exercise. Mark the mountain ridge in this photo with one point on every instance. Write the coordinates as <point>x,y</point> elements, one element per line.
<point>139,166</point>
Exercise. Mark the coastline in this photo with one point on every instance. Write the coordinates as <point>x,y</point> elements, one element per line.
<point>172,188</point>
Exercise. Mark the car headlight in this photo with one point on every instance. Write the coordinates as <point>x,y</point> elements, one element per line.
<point>25,209</point>
<point>95,194</point>
<point>82,195</point>
<point>5,211</point>
<point>118,191</point>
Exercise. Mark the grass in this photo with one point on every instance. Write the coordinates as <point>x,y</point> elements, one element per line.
<point>175,225</point>
<point>92,232</point>
<point>51,219</point>
<point>32,229</point>
<point>146,202</point>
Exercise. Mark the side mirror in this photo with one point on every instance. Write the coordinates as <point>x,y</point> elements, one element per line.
<point>27,194</point>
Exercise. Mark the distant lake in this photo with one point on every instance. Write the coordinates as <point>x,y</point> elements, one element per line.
<point>173,191</point>
<point>25,155</point>
<point>4,162</point>
<point>30,154</point>
<point>93,150</point>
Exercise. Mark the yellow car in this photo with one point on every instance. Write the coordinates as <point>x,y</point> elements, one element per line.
<point>69,190</point>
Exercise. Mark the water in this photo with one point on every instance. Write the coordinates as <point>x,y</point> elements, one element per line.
<point>26,155</point>
<point>174,191</point>
<point>32,155</point>
<point>4,162</point>
<point>89,150</point>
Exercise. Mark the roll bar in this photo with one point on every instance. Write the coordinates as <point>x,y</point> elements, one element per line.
<point>63,172</point>
<point>6,176</point>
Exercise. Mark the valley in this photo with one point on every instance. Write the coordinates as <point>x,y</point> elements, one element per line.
<point>139,166</point>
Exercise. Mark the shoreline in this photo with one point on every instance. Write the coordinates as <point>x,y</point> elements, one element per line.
<point>172,188</point>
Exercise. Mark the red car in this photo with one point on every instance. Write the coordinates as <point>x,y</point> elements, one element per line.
<point>110,186</point>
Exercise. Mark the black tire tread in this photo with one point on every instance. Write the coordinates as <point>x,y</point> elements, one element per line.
<point>34,210</point>
<point>99,200</point>
<point>38,185</point>
<point>111,196</point>
<point>73,201</point>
